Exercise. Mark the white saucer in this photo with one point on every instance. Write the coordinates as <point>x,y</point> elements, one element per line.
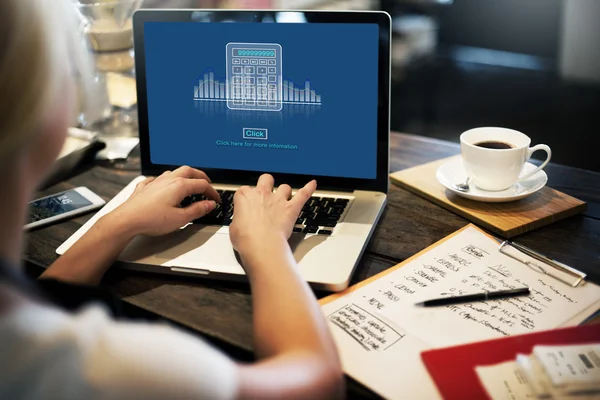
<point>453,172</point>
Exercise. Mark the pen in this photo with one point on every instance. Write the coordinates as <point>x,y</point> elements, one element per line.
<point>475,297</point>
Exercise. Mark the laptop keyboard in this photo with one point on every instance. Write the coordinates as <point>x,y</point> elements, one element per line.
<point>319,215</point>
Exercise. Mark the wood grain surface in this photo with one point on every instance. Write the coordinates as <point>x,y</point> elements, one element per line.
<point>221,311</point>
<point>506,219</point>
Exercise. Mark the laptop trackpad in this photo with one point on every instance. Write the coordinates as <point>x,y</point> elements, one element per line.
<point>162,249</point>
<point>168,247</point>
<point>302,245</point>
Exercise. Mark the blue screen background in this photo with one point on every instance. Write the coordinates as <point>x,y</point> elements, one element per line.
<point>338,138</point>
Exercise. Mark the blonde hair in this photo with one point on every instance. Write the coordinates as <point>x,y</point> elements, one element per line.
<point>39,43</point>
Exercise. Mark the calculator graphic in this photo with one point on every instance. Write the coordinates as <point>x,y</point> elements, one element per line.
<point>254,76</point>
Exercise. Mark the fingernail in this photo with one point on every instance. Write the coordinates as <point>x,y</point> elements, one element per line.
<point>211,205</point>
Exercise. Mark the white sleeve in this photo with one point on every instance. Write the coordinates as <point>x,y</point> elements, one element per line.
<point>90,356</point>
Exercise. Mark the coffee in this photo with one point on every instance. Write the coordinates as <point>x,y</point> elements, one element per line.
<point>494,158</point>
<point>492,144</point>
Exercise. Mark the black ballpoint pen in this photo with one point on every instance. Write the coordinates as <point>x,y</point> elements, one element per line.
<point>474,297</point>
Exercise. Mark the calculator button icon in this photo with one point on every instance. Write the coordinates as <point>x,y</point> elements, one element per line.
<point>254,74</point>
<point>237,92</point>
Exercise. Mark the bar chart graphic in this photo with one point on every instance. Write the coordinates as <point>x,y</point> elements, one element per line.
<point>211,89</point>
<point>216,109</point>
<point>253,90</point>
<point>303,95</point>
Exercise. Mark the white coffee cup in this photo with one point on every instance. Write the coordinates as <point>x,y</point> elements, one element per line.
<point>496,169</point>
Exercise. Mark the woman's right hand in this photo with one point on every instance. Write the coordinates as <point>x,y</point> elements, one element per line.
<point>154,207</point>
<point>262,217</point>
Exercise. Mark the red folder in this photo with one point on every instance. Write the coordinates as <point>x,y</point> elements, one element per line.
<point>453,368</point>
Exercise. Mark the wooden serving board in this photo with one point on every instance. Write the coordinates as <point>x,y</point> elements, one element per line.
<point>506,219</point>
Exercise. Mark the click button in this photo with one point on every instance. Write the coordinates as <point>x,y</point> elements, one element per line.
<point>255,133</point>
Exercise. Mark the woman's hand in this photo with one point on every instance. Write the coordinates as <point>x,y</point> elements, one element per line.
<point>298,358</point>
<point>153,208</point>
<point>262,217</point>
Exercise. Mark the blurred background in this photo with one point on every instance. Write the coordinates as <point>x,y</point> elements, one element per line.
<point>530,65</point>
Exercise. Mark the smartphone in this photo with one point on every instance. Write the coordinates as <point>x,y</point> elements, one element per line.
<point>61,206</point>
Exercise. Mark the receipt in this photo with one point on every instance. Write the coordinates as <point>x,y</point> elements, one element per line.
<point>505,381</point>
<point>574,368</point>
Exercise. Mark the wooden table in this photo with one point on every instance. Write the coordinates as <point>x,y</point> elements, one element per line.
<point>222,311</point>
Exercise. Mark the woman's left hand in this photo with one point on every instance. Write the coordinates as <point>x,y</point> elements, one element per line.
<point>153,208</point>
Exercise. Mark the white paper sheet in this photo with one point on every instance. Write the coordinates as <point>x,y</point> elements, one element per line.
<point>470,263</point>
<point>466,263</point>
<point>378,353</point>
<point>512,381</point>
<point>572,367</point>
<point>504,382</point>
<point>535,376</point>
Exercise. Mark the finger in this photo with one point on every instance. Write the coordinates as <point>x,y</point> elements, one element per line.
<point>162,178</point>
<point>189,172</point>
<point>241,192</point>
<point>198,209</point>
<point>302,195</point>
<point>143,184</point>
<point>188,187</point>
<point>284,191</point>
<point>163,175</point>
<point>266,181</point>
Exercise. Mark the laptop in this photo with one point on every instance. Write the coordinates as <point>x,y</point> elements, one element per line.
<point>298,94</point>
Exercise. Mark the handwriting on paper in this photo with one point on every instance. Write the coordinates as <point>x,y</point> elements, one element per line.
<point>468,265</point>
<point>474,251</point>
<point>370,332</point>
<point>448,273</point>
<point>387,357</point>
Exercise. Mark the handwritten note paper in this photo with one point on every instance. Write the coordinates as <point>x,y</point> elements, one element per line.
<point>468,262</point>
<point>371,332</point>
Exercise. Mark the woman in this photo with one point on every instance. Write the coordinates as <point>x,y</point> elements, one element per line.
<point>49,353</point>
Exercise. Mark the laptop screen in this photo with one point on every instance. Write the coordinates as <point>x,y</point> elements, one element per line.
<point>279,97</point>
